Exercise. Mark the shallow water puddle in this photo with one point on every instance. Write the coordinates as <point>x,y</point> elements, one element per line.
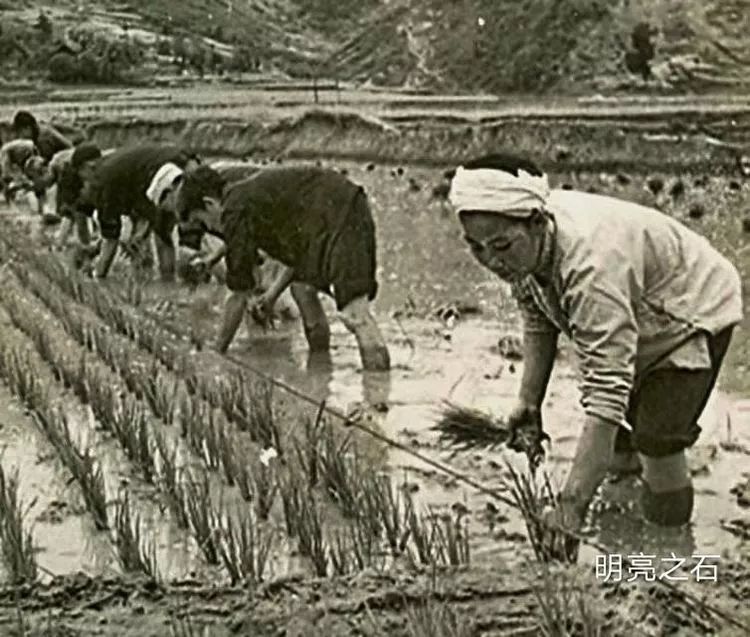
<point>433,362</point>
<point>466,369</point>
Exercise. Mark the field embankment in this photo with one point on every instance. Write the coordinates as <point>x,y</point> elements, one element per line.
<point>676,135</point>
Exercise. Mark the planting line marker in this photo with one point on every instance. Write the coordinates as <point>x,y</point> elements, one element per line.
<point>494,493</point>
<point>461,477</point>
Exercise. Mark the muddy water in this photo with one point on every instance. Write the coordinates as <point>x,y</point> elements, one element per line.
<point>424,266</point>
<point>41,485</point>
<point>58,510</point>
<point>467,369</point>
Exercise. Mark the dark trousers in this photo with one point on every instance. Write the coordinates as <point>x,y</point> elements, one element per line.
<point>665,408</point>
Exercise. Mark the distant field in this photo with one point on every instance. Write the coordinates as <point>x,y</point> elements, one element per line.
<point>227,102</point>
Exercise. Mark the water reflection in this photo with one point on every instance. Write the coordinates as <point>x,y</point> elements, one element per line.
<point>627,532</point>
<point>376,390</point>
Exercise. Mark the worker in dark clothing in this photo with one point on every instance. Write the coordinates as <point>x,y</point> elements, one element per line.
<point>122,185</point>
<point>315,222</point>
<point>69,173</point>
<point>47,139</point>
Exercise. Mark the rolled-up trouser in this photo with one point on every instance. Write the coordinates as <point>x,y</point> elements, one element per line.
<point>665,408</point>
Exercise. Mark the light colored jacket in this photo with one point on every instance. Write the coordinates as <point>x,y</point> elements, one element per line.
<point>59,161</point>
<point>13,156</point>
<point>632,288</point>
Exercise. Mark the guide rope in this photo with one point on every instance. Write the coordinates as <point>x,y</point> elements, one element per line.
<point>497,494</point>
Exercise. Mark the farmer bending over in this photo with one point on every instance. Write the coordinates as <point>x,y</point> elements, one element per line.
<point>316,223</point>
<point>206,260</point>
<point>69,170</point>
<point>13,158</point>
<point>648,304</point>
<point>45,137</point>
<point>124,184</point>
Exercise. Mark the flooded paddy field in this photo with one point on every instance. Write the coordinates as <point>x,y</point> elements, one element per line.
<point>160,477</point>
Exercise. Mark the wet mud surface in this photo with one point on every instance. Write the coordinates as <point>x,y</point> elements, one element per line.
<point>453,335</point>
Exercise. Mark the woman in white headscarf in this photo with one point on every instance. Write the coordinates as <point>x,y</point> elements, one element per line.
<point>648,304</point>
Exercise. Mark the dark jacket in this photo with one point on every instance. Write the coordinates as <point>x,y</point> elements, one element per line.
<point>120,184</point>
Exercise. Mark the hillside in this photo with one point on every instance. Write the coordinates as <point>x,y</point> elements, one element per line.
<point>494,46</point>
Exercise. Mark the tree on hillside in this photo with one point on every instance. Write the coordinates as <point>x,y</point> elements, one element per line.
<point>44,26</point>
<point>12,48</point>
<point>245,58</point>
<point>63,68</point>
<point>95,59</point>
<point>638,58</point>
<point>164,46</point>
<point>180,51</point>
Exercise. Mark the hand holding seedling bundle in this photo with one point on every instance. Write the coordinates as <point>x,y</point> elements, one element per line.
<point>547,514</point>
<point>527,434</point>
<point>466,429</point>
<point>261,311</point>
<point>197,270</point>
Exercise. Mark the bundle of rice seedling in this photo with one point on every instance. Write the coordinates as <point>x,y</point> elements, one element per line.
<point>466,428</point>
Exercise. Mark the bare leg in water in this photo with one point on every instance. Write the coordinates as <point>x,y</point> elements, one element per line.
<point>372,348</point>
<point>314,320</point>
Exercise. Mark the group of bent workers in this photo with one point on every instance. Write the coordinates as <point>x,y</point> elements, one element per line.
<point>648,304</point>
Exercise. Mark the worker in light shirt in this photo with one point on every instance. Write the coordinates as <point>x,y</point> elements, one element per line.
<point>648,304</point>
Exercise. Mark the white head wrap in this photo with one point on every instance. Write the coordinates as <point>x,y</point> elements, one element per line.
<point>498,191</point>
<point>162,181</point>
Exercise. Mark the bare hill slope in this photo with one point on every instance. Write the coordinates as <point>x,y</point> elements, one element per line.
<point>492,46</point>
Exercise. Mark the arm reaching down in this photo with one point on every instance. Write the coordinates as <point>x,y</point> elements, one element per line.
<point>217,255</point>
<point>107,256</point>
<point>276,289</point>
<point>590,464</point>
<point>540,338</point>
<point>539,350</point>
<point>233,314</point>
<point>599,302</point>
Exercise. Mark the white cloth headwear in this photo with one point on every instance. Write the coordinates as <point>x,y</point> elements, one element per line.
<point>162,181</point>
<point>498,191</point>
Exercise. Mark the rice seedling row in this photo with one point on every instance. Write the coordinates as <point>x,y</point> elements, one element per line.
<point>192,500</point>
<point>331,462</point>
<point>250,410</point>
<point>17,548</point>
<point>206,433</point>
<point>24,379</point>
<point>85,469</point>
<point>335,474</point>
<point>233,399</point>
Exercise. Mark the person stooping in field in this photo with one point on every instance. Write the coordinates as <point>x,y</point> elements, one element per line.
<point>315,222</point>
<point>124,183</point>
<point>208,255</point>
<point>648,304</point>
<point>47,139</point>
<point>67,171</point>
<point>14,156</point>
